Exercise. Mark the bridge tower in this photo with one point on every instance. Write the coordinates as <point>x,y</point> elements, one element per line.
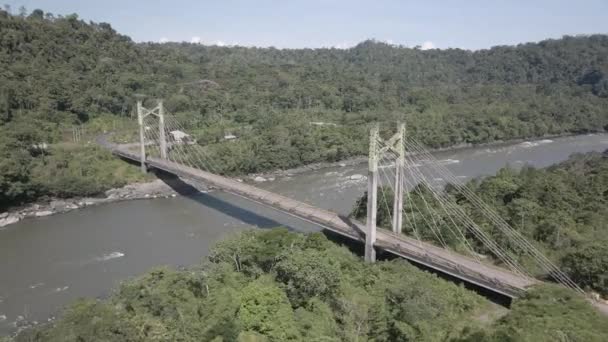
<point>158,111</point>
<point>396,144</point>
<point>372,194</point>
<point>399,148</point>
<point>142,142</point>
<point>161,132</point>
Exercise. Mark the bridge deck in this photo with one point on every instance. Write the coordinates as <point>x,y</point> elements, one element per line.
<point>462,267</point>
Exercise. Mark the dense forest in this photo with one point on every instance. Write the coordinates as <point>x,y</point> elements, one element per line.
<point>59,71</point>
<point>563,209</point>
<point>275,285</point>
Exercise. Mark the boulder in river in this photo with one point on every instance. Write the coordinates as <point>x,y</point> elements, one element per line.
<point>259,179</point>
<point>356,177</point>
<point>71,206</point>
<point>9,219</point>
<point>43,213</point>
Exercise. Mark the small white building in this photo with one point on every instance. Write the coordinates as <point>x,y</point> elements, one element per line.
<point>229,137</point>
<point>181,137</point>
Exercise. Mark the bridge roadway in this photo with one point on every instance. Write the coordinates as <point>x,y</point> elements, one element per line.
<point>467,269</point>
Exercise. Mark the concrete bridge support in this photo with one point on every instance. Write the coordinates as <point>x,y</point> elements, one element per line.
<point>142,139</point>
<point>161,133</point>
<point>372,194</point>
<point>397,145</point>
<point>399,183</point>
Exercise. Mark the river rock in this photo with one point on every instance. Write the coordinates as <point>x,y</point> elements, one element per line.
<point>2,318</point>
<point>9,219</point>
<point>3,215</point>
<point>271,179</point>
<point>356,177</point>
<point>42,213</point>
<point>57,205</point>
<point>259,179</point>
<point>342,164</point>
<point>113,195</point>
<point>61,206</point>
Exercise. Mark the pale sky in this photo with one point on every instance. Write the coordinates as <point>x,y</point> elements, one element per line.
<point>465,24</point>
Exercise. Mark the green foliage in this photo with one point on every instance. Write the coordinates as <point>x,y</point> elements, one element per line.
<point>335,297</point>
<point>316,321</point>
<point>254,253</point>
<point>588,265</point>
<point>308,274</point>
<point>87,320</point>
<point>265,309</point>
<point>549,313</point>
<point>563,208</point>
<point>63,170</point>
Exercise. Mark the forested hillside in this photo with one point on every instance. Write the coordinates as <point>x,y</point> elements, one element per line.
<point>58,71</point>
<point>275,285</point>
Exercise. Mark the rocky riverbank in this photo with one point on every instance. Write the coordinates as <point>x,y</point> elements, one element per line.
<point>149,190</point>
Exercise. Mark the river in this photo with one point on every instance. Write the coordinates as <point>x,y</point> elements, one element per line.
<point>47,262</point>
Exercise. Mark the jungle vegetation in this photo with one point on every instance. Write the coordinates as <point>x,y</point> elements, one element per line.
<point>276,285</point>
<point>58,71</point>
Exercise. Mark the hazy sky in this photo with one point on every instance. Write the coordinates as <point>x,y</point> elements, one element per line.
<point>342,23</point>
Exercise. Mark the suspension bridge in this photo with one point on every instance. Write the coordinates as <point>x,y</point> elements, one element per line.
<point>426,225</point>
